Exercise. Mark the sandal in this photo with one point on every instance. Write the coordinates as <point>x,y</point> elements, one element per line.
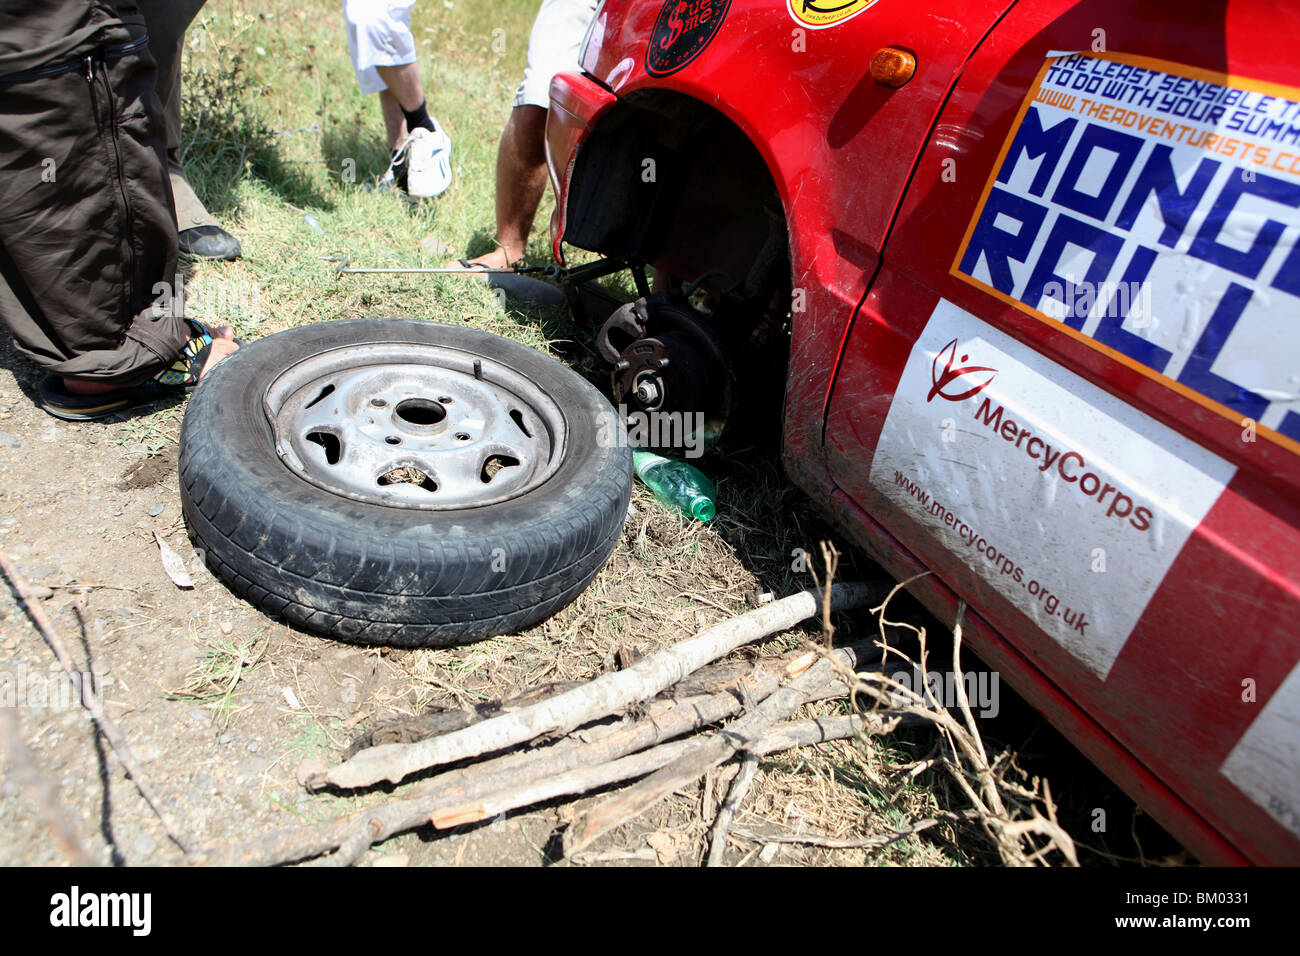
<point>489,272</point>
<point>179,378</point>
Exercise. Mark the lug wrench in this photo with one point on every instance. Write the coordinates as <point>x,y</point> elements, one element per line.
<point>343,269</point>
<point>568,278</point>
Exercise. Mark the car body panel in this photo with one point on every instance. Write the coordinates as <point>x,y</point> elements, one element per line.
<point>805,98</point>
<point>1177,669</point>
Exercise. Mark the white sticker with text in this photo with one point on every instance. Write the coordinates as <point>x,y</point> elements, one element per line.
<point>1070,503</point>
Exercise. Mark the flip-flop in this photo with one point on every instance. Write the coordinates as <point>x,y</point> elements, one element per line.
<point>179,378</point>
<point>470,264</point>
<point>75,407</point>
<point>184,372</point>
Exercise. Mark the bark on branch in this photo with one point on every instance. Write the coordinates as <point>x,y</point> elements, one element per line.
<point>606,695</point>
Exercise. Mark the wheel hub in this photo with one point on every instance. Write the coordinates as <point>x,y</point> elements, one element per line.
<point>414,426</point>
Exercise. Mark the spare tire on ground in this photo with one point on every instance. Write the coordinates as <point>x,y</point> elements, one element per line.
<point>386,481</point>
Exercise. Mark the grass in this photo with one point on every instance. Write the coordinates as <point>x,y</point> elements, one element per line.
<point>153,432</point>
<point>310,738</point>
<point>280,144</point>
<point>215,677</point>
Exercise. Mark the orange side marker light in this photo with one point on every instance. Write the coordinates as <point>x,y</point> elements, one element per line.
<point>892,66</point>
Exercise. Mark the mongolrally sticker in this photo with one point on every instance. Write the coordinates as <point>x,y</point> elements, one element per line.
<point>1153,210</point>
<point>826,13</point>
<point>1265,763</point>
<point>1070,503</point>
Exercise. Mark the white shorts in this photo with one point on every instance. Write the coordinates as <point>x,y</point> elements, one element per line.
<point>379,34</point>
<point>553,47</point>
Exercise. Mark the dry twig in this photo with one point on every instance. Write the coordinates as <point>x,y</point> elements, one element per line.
<point>727,812</point>
<point>88,700</point>
<point>44,795</point>
<point>1010,816</point>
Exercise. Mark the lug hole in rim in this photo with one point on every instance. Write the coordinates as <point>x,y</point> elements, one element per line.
<point>461,436</point>
<point>393,440</point>
<point>518,417</point>
<point>407,475</point>
<point>494,464</point>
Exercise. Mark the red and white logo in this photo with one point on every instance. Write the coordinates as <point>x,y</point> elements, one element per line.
<point>946,374</point>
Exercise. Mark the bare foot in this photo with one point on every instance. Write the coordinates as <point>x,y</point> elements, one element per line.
<point>496,259</point>
<point>223,344</point>
<point>78,387</point>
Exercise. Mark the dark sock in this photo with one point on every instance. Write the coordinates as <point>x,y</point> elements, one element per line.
<point>418,117</point>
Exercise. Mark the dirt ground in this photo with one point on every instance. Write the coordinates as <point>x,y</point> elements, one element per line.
<point>221,704</point>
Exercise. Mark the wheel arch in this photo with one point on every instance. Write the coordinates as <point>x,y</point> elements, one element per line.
<point>668,179</point>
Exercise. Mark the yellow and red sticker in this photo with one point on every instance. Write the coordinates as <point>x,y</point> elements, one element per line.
<point>826,13</point>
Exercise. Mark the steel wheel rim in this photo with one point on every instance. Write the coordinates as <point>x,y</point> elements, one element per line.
<point>414,426</point>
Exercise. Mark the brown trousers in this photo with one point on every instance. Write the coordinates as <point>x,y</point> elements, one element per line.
<point>167,21</point>
<point>87,227</point>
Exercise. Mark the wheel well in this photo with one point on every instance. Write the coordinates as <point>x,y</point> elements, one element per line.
<point>667,179</point>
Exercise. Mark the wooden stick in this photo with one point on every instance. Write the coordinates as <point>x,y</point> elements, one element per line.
<point>349,850</point>
<point>727,812</point>
<point>586,779</point>
<point>702,755</point>
<point>601,697</point>
<point>88,700</point>
<point>582,780</point>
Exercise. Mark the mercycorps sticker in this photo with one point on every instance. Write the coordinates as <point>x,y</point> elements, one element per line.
<point>1026,472</point>
<point>826,13</point>
<point>683,30</point>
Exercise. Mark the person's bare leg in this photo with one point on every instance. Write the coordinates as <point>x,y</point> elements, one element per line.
<point>394,118</point>
<point>405,92</point>
<point>521,183</point>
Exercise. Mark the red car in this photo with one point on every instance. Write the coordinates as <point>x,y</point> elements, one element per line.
<point>1041,266</point>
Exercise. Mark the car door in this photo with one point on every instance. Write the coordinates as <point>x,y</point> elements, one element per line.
<point>1071,391</point>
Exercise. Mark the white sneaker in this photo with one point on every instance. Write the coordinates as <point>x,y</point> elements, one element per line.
<point>428,161</point>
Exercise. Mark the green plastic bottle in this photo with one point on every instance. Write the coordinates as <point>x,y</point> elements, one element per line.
<point>677,484</point>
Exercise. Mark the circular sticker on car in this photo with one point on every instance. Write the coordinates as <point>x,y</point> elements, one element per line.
<point>683,30</point>
<point>826,13</point>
